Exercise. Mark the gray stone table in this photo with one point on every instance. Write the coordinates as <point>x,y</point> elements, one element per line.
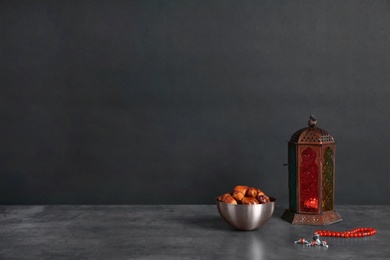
<point>177,232</point>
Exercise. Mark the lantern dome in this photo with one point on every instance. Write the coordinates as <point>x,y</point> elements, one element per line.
<point>312,134</point>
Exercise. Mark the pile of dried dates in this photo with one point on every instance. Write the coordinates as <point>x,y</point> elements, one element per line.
<point>244,195</point>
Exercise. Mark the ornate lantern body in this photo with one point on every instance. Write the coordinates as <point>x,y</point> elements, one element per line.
<point>311,167</point>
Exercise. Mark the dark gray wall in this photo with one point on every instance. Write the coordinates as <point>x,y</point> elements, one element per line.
<point>175,102</point>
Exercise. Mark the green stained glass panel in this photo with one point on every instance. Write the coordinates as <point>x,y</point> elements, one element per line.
<point>327,180</point>
<point>292,179</point>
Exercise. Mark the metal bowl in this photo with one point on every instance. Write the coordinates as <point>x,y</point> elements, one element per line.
<point>246,217</point>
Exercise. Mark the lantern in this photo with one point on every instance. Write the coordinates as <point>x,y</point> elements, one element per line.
<point>311,168</point>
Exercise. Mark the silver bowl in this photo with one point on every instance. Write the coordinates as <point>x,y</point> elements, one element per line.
<point>246,217</point>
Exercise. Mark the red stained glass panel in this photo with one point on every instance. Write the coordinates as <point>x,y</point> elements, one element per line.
<point>308,181</point>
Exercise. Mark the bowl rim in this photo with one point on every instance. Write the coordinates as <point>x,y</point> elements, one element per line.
<point>272,200</point>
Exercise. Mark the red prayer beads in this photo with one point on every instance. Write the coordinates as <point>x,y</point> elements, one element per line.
<point>354,233</point>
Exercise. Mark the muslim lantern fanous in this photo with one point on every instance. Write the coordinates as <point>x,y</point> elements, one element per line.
<point>311,169</point>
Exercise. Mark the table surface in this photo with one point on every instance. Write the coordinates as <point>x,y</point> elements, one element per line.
<point>177,232</point>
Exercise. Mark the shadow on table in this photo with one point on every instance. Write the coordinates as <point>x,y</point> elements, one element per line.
<point>278,212</point>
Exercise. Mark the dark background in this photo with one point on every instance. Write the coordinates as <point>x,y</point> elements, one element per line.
<point>175,102</point>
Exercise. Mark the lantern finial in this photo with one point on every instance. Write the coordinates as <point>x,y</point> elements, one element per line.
<point>312,121</point>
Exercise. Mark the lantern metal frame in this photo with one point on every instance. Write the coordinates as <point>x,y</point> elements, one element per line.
<point>311,167</point>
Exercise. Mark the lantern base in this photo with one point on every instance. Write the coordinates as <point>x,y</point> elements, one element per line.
<point>325,218</point>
